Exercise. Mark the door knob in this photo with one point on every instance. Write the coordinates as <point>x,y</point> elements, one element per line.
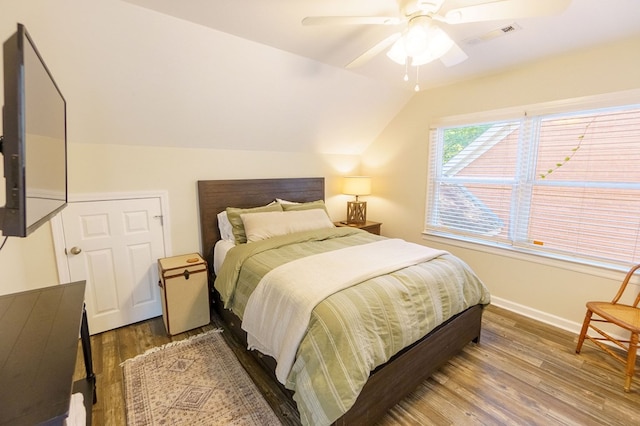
<point>75,250</point>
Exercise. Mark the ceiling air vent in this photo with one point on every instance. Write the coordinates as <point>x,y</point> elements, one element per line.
<point>494,34</point>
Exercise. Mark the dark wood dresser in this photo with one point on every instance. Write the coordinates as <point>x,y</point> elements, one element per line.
<point>38,347</point>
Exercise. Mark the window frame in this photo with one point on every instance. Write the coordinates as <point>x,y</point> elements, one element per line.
<point>527,114</point>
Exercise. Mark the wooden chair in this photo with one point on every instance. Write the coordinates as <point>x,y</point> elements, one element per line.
<point>624,316</point>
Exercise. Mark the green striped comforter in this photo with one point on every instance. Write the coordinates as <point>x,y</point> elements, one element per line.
<point>355,330</point>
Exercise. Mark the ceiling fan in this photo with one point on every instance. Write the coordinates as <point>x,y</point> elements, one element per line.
<point>421,40</point>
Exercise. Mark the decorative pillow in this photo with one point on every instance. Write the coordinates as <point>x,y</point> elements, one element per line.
<point>226,230</point>
<point>319,204</point>
<point>233,213</point>
<point>260,226</point>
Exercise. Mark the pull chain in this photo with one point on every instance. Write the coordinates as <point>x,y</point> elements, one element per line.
<point>417,88</point>
<point>406,69</point>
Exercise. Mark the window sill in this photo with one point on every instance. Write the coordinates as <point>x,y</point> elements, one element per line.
<point>583,266</point>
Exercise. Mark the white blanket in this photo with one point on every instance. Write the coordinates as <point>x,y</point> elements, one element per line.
<point>278,311</point>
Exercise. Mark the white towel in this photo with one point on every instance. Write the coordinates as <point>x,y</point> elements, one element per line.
<point>77,413</point>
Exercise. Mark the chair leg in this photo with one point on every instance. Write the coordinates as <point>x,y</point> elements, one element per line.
<point>631,361</point>
<point>583,332</point>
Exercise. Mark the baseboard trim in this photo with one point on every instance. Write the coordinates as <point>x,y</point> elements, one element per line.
<point>538,315</point>
<point>544,317</point>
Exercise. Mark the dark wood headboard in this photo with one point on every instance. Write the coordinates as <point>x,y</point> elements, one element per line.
<point>215,196</point>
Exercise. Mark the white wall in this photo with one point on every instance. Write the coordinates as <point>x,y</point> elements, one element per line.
<point>100,168</point>
<point>28,263</point>
<point>132,76</point>
<point>116,168</point>
<point>140,86</point>
<point>398,161</point>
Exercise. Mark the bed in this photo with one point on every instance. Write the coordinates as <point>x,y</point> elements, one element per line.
<point>387,383</point>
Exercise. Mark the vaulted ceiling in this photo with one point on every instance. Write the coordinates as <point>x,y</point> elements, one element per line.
<point>278,23</point>
<point>248,75</point>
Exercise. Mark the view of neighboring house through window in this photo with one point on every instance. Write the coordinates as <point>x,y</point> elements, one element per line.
<point>565,184</point>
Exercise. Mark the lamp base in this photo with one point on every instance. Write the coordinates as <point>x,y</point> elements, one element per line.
<point>356,212</point>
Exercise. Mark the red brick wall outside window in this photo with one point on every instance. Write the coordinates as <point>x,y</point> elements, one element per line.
<point>568,184</point>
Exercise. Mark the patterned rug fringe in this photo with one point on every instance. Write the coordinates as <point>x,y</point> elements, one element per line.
<point>170,344</point>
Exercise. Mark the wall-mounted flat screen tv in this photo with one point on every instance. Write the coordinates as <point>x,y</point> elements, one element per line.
<point>34,143</point>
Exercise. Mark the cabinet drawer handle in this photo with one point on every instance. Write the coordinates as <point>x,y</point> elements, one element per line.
<point>186,274</point>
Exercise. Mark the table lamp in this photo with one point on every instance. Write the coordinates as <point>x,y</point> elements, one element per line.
<point>356,210</point>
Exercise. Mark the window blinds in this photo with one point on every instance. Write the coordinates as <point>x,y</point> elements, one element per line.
<point>563,183</point>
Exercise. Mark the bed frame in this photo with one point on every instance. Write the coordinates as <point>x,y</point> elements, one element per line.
<point>390,382</point>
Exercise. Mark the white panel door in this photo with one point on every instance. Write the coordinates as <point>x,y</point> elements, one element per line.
<point>114,245</point>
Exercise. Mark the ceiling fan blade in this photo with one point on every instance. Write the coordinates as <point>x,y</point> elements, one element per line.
<point>504,9</point>
<point>454,56</point>
<point>350,20</point>
<point>369,54</point>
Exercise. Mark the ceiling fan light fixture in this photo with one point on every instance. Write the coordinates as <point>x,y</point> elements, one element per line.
<point>439,44</point>
<point>416,40</point>
<point>421,43</point>
<point>397,53</point>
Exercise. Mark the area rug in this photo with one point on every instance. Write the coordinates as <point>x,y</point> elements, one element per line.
<point>197,381</point>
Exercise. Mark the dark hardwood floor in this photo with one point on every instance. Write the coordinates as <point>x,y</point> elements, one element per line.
<point>522,372</point>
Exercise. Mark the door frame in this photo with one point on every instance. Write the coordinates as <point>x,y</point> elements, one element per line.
<point>57,230</point>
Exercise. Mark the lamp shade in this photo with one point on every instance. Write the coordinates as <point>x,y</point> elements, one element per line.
<point>423,42</point>
<point>356,185</point>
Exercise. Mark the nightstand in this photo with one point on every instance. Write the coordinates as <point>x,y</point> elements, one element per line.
<point>184,292</point>
<point>372,227</point>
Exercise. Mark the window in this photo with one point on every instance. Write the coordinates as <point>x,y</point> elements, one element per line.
<point>564,183</point>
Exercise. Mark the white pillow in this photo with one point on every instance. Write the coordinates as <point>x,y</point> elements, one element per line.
<point>281,201</point>
<point>260,226</point>
<point>226,230</point>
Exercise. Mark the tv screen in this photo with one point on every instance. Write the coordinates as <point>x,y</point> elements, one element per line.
<point>35,139</point>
